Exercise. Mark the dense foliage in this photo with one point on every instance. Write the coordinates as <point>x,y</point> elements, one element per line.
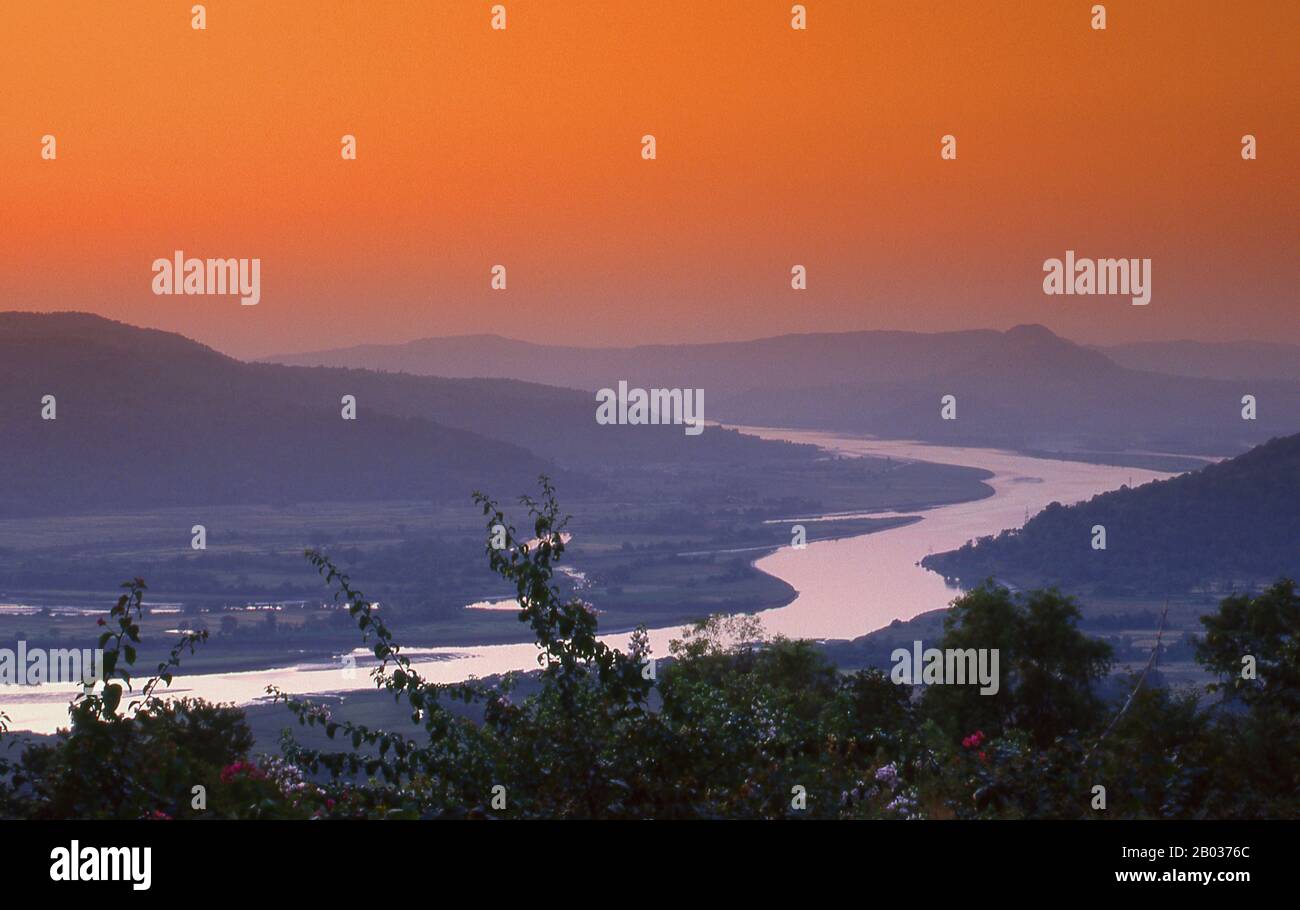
<point>730,724</point>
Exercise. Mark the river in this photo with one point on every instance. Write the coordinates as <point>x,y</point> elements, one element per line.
<point>846,587</point>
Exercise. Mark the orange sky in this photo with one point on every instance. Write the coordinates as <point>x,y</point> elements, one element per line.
<point>775,147</point>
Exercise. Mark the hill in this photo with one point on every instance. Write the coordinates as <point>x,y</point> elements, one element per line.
<point>1025,388</point>
<point>1231,525</point>
<point>146,419</point>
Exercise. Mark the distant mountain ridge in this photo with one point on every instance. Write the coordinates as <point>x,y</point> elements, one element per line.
<point>1025,388</point>
<point>149,419</point>
<point>809,359</point>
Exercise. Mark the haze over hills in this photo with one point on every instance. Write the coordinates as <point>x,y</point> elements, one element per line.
<point>1235,523</point>
<point>1211,360</point>
<point>730,367</point>
<point>149,419</point>
<point>1025,388</point>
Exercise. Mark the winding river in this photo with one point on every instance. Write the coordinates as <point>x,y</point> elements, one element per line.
<point>846,587</point>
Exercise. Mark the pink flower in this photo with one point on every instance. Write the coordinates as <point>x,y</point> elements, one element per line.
<point>246,769</point>
<point>100,622</point>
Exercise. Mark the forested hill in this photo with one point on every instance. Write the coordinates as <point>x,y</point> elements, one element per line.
<point>1234,523</point>
<point>102,416</point>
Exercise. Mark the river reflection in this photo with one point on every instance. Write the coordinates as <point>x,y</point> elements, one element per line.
<point>846,587</point>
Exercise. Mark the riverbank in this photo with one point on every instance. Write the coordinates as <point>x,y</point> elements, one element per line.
<point>845,586</point>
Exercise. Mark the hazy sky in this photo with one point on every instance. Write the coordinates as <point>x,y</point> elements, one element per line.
<point>775,147</point>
